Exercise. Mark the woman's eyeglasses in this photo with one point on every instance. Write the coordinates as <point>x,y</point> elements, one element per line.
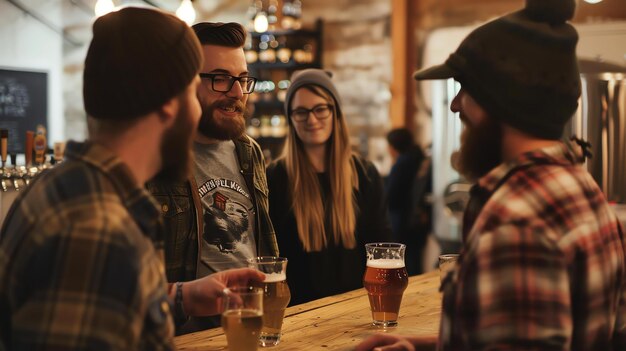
<point>301,114</point>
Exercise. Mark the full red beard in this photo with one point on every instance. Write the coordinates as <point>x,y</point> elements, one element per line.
<point>220,127</point>
<point>481,149</point>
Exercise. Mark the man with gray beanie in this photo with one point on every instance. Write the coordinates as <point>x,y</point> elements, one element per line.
<point>543,266</point>
<point>81,249</point>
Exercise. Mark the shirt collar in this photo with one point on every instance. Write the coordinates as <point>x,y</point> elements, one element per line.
<point>141,206</point>
<point>565,153</point>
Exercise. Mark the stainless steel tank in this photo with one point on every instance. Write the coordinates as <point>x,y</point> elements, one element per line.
<point>601,120</point>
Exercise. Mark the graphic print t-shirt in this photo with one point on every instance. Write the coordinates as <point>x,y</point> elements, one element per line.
<point>227,209</point>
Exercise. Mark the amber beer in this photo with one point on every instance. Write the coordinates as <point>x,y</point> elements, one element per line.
<point>275,300</point>
<point>242,328</point>
<point>385,281</point>
<point>242,318</point>
<point>276,296</point>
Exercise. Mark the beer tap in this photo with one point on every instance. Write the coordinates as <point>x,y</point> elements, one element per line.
<point>15,175</point>
<point>4,139</point>
<point>40,146</point>
<point>28,154</point>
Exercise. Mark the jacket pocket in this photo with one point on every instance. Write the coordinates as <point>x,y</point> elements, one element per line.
<point>180,238</point>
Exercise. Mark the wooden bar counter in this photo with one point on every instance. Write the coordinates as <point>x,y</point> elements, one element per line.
<point>340,322</point>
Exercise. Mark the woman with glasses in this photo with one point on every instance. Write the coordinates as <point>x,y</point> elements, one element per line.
<point>325,202</point>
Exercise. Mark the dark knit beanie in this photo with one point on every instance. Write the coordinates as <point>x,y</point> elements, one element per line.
<point>521,68</point>
<point>138,59</point>
<point>311,76</point>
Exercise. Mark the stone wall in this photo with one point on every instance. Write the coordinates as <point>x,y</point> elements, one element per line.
<point>357,49</point>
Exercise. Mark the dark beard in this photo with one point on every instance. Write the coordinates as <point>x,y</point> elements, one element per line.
<point>176,150</point>
<point>481,150</point>
<point>221,128</point>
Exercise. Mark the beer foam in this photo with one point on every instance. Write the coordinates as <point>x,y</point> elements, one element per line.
<point>274,277</point>
<point>386,263</point>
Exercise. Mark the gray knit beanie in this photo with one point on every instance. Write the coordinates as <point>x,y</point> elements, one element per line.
<point>521,68</point>
<point>138,59</point>
<point>311,76</point>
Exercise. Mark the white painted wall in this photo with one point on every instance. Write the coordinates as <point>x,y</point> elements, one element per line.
<point>27,44</point>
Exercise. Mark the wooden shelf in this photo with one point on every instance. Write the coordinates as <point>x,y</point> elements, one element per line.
<point>289,32</point>
<point>280,65</point>
<point>269,104</point>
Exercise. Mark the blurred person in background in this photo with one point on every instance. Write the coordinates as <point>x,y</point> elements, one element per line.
<point>406,185</point>
<point>81,251</point>
<point>543,264</point>
<point>218,218</point>
<point>325,201</point>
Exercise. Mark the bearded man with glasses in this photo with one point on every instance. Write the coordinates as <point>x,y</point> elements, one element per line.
<point>218,218</point>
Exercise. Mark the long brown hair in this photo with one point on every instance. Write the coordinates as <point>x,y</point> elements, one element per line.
<point>306,191</point>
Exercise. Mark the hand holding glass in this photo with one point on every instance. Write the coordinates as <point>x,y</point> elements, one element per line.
<point>242,318</point>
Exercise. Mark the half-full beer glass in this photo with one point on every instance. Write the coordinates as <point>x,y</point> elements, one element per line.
<point>385,281</point>
<point>276,296</point>
<point>242,317</point>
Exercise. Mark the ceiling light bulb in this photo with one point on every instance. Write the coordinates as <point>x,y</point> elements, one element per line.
<point>103,7</point>
<point>593,1</point>
<point>186,12</point>
<point>260,22</point>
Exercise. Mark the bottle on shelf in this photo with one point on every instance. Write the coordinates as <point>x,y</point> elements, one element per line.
<point>4,144</point>
<point>251,55</point>
<point>59,151</point>
<point>253,129</point>
<point>265,129</point>
<point>283,53</point>
<point>40,145</point>
<point>283,85</point>
<point>287,12</point>
<point>272,18</point>
<point>267,53</point>
<point>253,10</point>
<point>297,14</point>
<point>278,126</point>
<point>28,153</point>
<point>4,171</point>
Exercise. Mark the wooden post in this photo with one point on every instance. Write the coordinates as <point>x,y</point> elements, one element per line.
<point>402,107</point>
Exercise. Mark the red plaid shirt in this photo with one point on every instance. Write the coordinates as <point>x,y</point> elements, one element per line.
<point>544,264</point>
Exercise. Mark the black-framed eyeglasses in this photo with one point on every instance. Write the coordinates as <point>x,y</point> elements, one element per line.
<point>223,83</point>
<point>321,111</point>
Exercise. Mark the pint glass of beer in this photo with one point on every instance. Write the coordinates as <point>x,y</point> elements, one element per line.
<point>385,281</point>
<point>242,317</point>
<point>276,296</point>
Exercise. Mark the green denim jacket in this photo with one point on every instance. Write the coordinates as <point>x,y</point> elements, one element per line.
<point>182,212</point>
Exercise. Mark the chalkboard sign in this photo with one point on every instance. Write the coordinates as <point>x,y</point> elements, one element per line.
<point>23,104</point>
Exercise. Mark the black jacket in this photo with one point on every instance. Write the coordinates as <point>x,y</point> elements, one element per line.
<point>313,275</point>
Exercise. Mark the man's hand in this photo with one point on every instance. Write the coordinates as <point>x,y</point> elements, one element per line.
<point>388,342</point>
<point>203,297</point>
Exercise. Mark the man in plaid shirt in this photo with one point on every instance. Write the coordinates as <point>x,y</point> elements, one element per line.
<point>79,268</point>
<point>543,265</point>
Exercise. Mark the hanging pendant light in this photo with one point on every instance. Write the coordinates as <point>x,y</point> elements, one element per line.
<point>261,23</point>
<point>593,1</point>
<point>186,12</point>
<point>103,7</point>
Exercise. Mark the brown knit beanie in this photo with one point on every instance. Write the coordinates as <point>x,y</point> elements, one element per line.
<point>138,59</point>
<point>521,68</point>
